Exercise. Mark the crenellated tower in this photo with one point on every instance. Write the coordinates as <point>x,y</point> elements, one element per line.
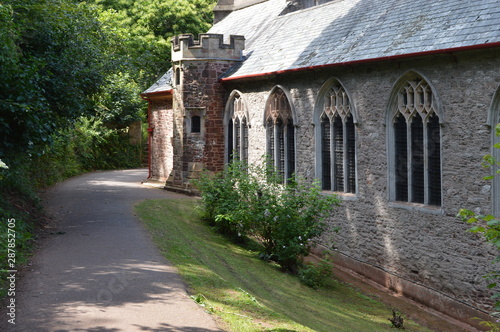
<point>198,103</point>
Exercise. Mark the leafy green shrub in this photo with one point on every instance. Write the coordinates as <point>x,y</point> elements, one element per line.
<point>246,200</point>
<point>222,200</point>
<point>315,276</point>
<point>292,218</point>
<point>88,146</point>
<point>55,163</point>
<point>16,181</point>
<point>99,147</point>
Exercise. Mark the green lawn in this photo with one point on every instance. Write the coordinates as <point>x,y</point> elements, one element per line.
<point>246,293</point>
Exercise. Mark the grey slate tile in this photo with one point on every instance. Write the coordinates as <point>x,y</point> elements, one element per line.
<point>351,30</point>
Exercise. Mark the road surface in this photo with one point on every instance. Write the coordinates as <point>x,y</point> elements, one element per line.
<point>98,269</point>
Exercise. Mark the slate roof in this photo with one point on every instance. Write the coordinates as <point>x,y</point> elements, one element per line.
<point>355,30</point>
<point>163,84</point>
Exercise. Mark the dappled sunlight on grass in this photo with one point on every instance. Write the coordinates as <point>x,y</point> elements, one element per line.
<point>247,293</point>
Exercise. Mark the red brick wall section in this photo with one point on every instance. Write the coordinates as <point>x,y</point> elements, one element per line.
<point>202,89</point>
<point>161,139</point>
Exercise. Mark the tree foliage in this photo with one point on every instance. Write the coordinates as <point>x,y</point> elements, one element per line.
<point>146,27</point>
<point>55,61</point>
<point>63,59</point>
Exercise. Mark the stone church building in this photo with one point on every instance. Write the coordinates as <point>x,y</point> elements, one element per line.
<point>390,104</point>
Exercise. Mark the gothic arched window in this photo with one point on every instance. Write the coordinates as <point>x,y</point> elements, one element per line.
<point>415,145</point>
<point>280,134</point>
<point>237,129</point>
<point>337,143</point>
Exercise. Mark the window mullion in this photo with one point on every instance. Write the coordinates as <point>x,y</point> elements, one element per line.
<point>332,156</point>
<point>409,161</point>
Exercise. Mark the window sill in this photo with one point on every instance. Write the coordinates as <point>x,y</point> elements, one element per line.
<point>342,196</point>
<point>417,207</point>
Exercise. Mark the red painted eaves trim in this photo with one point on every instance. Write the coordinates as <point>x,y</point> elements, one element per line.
<point>357,62</point>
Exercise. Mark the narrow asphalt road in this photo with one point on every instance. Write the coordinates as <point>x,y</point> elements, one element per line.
<point>99,270</point>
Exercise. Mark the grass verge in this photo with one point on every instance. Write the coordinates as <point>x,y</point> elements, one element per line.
<point>247,294</point>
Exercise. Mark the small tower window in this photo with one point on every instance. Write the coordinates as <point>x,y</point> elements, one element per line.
<point>195,124</point>
<point>177,77</point>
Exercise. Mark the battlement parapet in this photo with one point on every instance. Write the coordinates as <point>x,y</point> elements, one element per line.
<point>208,46</point>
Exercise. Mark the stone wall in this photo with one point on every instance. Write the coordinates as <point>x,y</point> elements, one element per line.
<point>424,245</point>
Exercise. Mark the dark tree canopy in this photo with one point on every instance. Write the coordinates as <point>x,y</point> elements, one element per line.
<point>63,59</point>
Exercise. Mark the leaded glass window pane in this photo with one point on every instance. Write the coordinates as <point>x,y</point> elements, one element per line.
<point>338,146</point>
<point>237,138</point>
<point>434,150</point>
<point>271,141</point>
<point>280,162</point>
<point>417,160</point>
<point>244,143</point>
<point>230,145</point>
<point>401,151</point>
<point>350,155</point>
<point>326,177</point>
<point>290,149</point>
